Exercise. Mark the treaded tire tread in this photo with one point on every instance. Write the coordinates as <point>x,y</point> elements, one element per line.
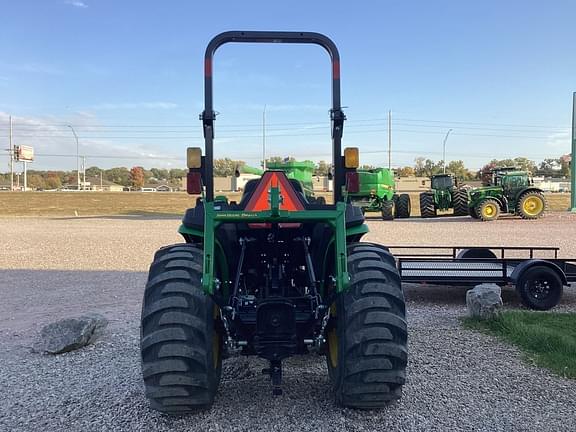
<point>177,333</point>
<point>372,331</point>
<point>520,210</point>
<point>387,210</point>
<point>427,208</point>
<point>479,212</point>
<point>460,203</point>
<point>403,206</point>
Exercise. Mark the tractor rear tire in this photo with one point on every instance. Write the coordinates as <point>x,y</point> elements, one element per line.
<point>180,343</point>
<point>460,202</point>
<point>388,210</point>
<point>531,205</point>
<point>367,346</point>
<point>427,207</point>
<point>488,210</point>
<point>403,206</point>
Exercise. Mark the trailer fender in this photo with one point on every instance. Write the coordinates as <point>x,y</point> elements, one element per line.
<point>523,266</point>
<point>476,253</point>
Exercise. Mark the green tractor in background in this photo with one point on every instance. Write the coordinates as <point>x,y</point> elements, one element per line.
<point>272,276</point>
<point>444,194</point>
<point>378,194</point>
<point>513,192</point>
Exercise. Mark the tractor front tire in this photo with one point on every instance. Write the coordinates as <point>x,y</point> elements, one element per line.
<point>403,206</point>
<point>488,210</point>
<point>531,205</point>
<point>388,210</point>
<point>472,212</point>
<point>180,343</point>
<point>460,203</point>
<point>427,207</point>
<point>367,343</point>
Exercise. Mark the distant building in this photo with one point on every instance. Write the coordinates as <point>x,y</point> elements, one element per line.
<point>157,188</point>
<point>412,184</point>
<point>95,184</point>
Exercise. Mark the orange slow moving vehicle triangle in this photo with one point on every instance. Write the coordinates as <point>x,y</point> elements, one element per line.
<point>259,201</point>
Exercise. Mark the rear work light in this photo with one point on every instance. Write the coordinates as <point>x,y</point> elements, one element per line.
<point>193,157</point>
<point>351,157</point>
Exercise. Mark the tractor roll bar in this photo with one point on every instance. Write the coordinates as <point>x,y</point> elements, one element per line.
<point>337,116</point>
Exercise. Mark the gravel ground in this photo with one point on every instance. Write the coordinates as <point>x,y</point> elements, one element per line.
<point>457,379</point>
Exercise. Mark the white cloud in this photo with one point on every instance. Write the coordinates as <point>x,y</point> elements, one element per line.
<point>135,105</point>
<point>77,3</point>
<point>559,140</point>
<point>55,146</point>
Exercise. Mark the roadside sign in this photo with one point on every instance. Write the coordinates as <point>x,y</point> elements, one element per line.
<point>24,153</point>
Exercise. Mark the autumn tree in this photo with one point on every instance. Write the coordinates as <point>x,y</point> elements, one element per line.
<point>459,170</point>
<point>225,167</point>
<point>137,176</point>
<point>322,168</point>
<point>119,175</point>
<point>405,172</point>
<point>53,180</point>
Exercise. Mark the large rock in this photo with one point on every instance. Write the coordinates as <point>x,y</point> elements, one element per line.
<point>484,301</point>
<point>70,333</point>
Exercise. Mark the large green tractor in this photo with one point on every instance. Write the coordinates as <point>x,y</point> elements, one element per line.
<point>444,195</point>
<point>513,192</point>
<point>272,276</point>
<point>378,194</point>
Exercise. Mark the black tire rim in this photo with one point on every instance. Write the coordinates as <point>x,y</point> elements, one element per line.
<point>539,289</point>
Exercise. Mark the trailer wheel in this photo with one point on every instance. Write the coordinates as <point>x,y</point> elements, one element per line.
<point>488,210</point>
<point>427,207</point>
<point>403,206</point>
<point>367,341</point>
<point>388,210</point>
<point>460,203</point>
<point>181,348</point>
<point>540,288</point>
<point>531,205</point>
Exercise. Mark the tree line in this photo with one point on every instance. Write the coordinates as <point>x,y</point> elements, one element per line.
<point>138,176</point>
<point>134,177</point>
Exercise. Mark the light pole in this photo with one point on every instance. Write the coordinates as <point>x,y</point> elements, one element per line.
<point>444,151</point>
<point>573,157</point>
<point>77,157</point>
<point>264,138</point>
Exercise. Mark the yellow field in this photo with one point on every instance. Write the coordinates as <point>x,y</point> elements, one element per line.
<point>115,203</point>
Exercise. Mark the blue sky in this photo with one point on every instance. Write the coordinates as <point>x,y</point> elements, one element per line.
<point>128,76</point>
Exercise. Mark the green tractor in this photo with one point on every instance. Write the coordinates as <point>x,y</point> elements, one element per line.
<point>272,276</point>
<point>378,194</point>
<point>443,195</point>
<point>513,192</point>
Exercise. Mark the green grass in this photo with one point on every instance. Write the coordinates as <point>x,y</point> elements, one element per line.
<point>548,339</point>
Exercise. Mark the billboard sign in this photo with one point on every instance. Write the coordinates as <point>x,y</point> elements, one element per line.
<point>24,153</point>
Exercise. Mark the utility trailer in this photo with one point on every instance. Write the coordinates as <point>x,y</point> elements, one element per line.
<point>537,273</point>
